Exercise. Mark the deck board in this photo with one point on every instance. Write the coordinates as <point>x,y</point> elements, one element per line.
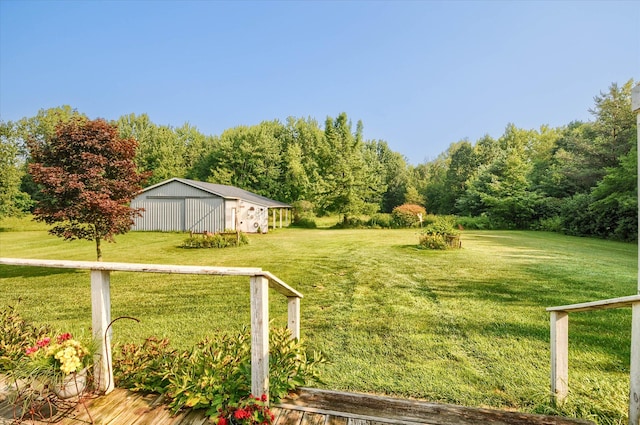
<point>308,407</point>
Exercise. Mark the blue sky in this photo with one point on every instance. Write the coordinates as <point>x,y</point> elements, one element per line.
<point>419,74</point>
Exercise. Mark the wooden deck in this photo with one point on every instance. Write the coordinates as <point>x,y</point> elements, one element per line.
<point>308,407</point>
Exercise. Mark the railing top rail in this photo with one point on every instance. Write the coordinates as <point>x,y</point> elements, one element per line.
<point>599,305</point>
<point>278,285</point>
<point>275,283</point>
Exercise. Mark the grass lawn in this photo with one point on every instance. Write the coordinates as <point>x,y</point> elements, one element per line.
<point>464,326</point>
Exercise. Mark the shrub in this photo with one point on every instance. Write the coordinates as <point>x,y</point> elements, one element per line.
<point>350,223</point>
<point>442,233</point>
<point>380,220</point>
<point>302,209</point>
<point>432,241</point>
<point>143,367</point>
<point>305,223</point>
<point>216,373</point>
<point>475,223</point>
<point>428,219</point>
<point>217,240</point>
<point>303,215</point>
<point>552,224</point>
<point>408,215</point>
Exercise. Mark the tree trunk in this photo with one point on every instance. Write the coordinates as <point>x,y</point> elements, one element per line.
<point>98,249</point>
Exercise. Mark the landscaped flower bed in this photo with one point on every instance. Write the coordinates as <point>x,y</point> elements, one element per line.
<point>214,375</point>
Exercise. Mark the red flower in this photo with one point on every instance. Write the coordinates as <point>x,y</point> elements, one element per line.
<point>242,414</point>
<point>64,337</point>
<point>223,421</point>
<point>29,351</point>
<point>44,342</point>
<point>264,397</point>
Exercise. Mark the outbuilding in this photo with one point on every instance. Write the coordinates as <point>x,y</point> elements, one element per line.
<point>192,206</point>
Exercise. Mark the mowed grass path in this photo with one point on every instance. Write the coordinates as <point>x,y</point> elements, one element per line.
<point>464,326</point>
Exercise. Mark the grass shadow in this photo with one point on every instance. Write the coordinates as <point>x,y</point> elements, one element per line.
<point>28,271</point>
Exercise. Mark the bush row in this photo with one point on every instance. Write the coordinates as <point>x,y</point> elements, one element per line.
<point>217,240</point>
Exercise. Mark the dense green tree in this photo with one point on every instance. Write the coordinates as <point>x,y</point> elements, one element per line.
<point>296,182</point>
<point>429,180</point>
<point>501,189</point>
<point>160,150</point>
<point>302,160</point>
<point>487,150</point>
<point>540,152</point>
<point>10,172</point>
<point>347,188</point>
<point>43,124</point>
<point>249,157</point>
<point>615,200</point>
<point>574,165</point>
<point>391,168</point>
<point>412,196</point>
<point>166,151</point>
<point>615,125</point>
<point>462,165</point>
<point>38,127</point>
<point>587,161</point>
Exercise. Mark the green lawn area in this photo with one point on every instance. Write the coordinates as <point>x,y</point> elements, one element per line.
<point>463,326</point>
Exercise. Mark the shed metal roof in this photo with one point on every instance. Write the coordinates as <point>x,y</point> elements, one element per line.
<point>226,192</point>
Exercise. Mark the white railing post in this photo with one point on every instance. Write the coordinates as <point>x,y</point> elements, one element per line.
<point>634,388</point>
<point>559,356</point>
<point>293,320</point>
<point>100,319</point>
<point>259,336</point>
<point>634,393</point>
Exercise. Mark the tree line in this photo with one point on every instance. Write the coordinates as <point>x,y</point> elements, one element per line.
<point>578,179</point>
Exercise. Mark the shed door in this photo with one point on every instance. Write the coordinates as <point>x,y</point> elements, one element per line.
<point>204,215</point>
<point>161,215</point>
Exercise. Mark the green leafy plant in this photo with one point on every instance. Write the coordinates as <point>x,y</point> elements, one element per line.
<point>217,240</point>
<point>215,374</point>
<point>481,222</point>
<point>303,215</point>
<point>442,233</point>
<point>212,374</point>
<point>433,241</point>
<point>290,366</point>
<point>350,223</point>
<point>380,220</point>
<point>144,367</point>
<point>16,336</point>
<point>305,223</point>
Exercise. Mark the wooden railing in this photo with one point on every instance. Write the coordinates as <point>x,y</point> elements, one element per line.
<point>560,348</point>
<point>260,281</point>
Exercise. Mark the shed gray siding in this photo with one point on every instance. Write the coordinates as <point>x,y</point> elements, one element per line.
<point>204,214</point>
<point>179,207</point>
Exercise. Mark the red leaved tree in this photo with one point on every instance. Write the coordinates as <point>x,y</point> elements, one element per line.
<point>87,178</point>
